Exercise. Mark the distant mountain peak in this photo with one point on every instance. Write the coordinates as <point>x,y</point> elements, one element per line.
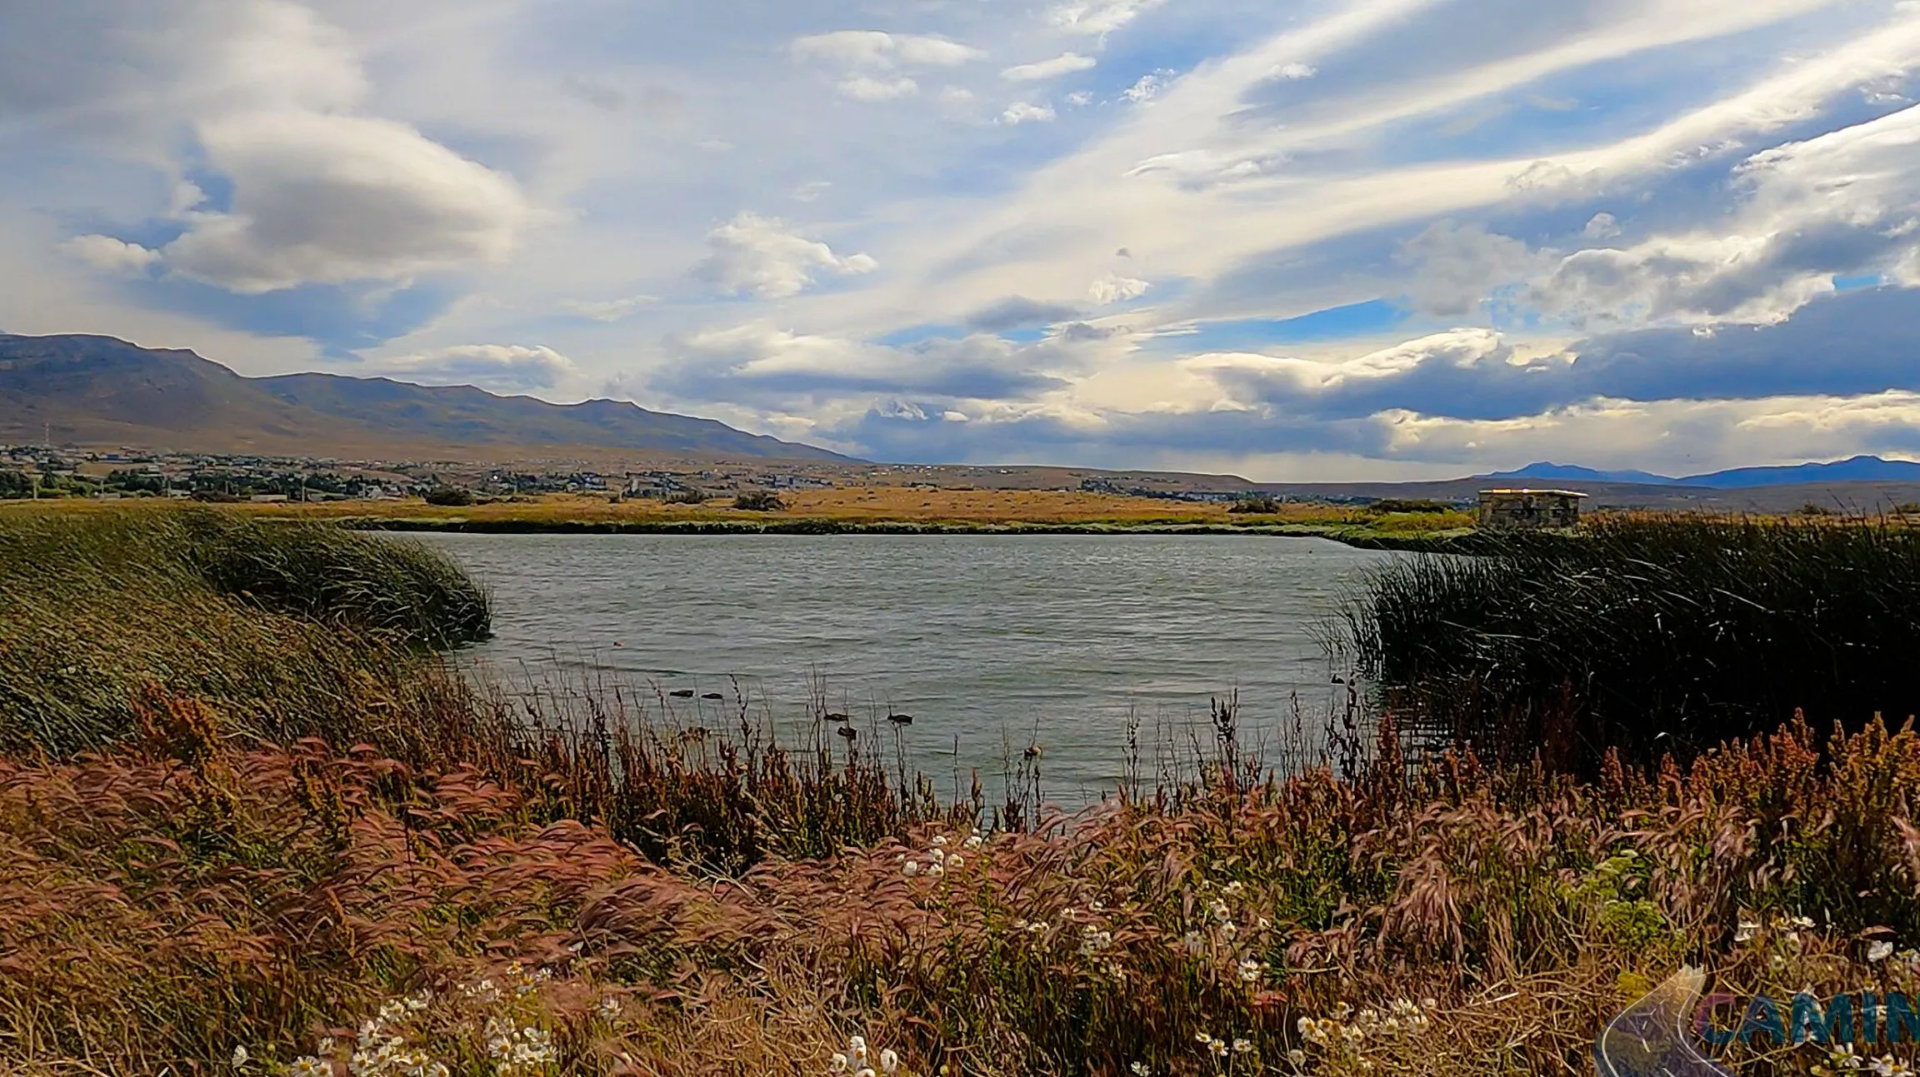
<point>1861,468</point>
<point>102,390</point>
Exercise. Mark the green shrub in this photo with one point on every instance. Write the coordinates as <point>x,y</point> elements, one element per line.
<point>454,496</point>
<point>1260,506</point>
<point>759,501</point>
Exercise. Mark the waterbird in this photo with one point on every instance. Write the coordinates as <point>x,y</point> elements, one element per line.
<point>834,716</point>
<point>848,732</point>
<point>713,695</point>
<point>1034,751</point>
<point>681,693</point>
<point>900,719</point>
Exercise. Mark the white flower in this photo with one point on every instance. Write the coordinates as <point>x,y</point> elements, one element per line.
<point>1203,1037</point>
<point>309,1066</point>
<point>857,1048</point>
<point>889,1061</point>
<point>936,871</point>
<point>1250,970</point>
<point>956,862</point>
<point>1744,932</point>
<point>1228,931</point>
<point>1139,1069</point>
<point>1233,888</point>
<point>609,1007</point>
<point>1879,950</point>
<point>1297,1056</point>
<point>912,868</point>
<point>939,839</point>
<point>1218,1048</point>
<point>973,842</point>
<point>838,1063</point>
<point>1241,1047</point>
<point>1218,908</point>
<point>239,1057</point>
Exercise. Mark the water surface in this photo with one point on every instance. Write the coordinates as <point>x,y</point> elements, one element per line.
<point>993,641</point>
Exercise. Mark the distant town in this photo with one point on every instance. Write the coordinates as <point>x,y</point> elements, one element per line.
<point>43,471</point>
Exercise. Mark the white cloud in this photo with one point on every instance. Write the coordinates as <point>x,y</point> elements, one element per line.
<point>1146,88</point>
<point>1295,71</point>
<point>111,255</point>
<point>1602,226</point>
<point>323,198</point>
<point>878,49</point>
<point>1113,288</point>
<point>1064,64</point>
<point>504,367</point>
<point>1098,16</point>
<point>610,310</point>
<point>867,88</point>
<point>1026,112</point>
<point>759,255</point>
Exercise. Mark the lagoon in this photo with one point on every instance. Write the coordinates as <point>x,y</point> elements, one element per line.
<point>990,642</point>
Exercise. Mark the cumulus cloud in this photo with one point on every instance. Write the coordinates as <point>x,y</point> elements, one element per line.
<point>876,48</point>
<point>868,88</point>
<point>1294,71</point>
<point>1113,288</point>
<point>323,198</point>
<point>1064,64</point>
<point>1026,112</point>
<point>1456,266</point>
<point>1601,226</point>
<point>1099,17</point>
<point>759,255</point>
<point>499,367</point>
<point>1146,88</point>
<point>110,255</point>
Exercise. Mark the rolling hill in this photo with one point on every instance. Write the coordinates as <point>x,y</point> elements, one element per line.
<point>93,390</point>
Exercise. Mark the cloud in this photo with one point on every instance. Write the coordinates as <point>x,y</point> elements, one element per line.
<point>763,364</point>
<point>610,310</point>
<point>110,255</point>
<point>758,255</point>
<point>329,199</point>
<point>1024,112</point>
<point>1019,312</point>
<point>1601,226</point>
<point>878,49</point>
<point>1113,288</point>
<point>1064,64</point>
<point>1146,88</point>
<point>1456,266</point>
<point>499,367</point>
<point>1295,71</point>
<point>867,88</point>
<point>1098,16</point>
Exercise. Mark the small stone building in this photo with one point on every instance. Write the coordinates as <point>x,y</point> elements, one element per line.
<point>1530,508</point>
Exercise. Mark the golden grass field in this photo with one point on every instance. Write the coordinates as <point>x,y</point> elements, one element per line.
<point>852,504</point>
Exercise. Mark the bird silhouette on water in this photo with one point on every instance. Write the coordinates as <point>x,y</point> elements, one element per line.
<point>834,716</point>
<point>681,693</point>
<point>713,695</point>
<point>848,732</point>
<point>900,719</point>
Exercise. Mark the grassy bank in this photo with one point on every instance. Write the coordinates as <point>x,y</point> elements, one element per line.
<point>1649,634</point>
<point>412,873</point>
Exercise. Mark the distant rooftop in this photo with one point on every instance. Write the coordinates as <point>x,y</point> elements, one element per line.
<point>1521,490</point>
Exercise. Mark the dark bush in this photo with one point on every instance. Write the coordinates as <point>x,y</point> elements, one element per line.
<point>1262,506</point>
<point>1401,504</point>
<point>759,501</point>
<point>456,496</point>
<point>1652,635</point>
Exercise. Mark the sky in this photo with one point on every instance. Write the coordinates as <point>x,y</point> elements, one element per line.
<point>1286,239</point>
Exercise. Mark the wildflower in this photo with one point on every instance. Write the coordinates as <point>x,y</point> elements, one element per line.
<point>1879,950</point>
<point>911,869</point>
<point>324,1047</point>
<point>1744,932</point>
<point>936,871</point>
<point>1250,970</point>
<point>609,1007</point>
<point>1233,888</point>
<point>1193,942</point>
<point>1217,1047</point>
<point>838,1063</point>
<point>1297,1056</point>
<point>1241,1047</point>
<point>956,862</point>
<point>939,839</point>
<point>1228,931</point>
<point>1206,1039</point>
<point>309,1066</point>
<point>1140,1069</point>
<point>889,1061</point>
<point>974,841</point>
<point>239,1057</point>
<point>857,1048</point>
<point>1218,908</point>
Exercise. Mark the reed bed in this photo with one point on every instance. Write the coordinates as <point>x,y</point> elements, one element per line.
<point>1651,635</point>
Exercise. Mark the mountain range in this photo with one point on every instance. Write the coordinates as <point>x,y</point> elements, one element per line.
<point>95,390</point>
<point>1855,469</point>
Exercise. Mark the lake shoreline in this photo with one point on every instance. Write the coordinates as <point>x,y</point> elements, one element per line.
<point>1358,537</point>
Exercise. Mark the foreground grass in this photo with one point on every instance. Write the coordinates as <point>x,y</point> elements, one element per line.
<point>158,912</point>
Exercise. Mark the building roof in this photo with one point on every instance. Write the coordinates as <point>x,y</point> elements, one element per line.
<point>1545,493</point>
